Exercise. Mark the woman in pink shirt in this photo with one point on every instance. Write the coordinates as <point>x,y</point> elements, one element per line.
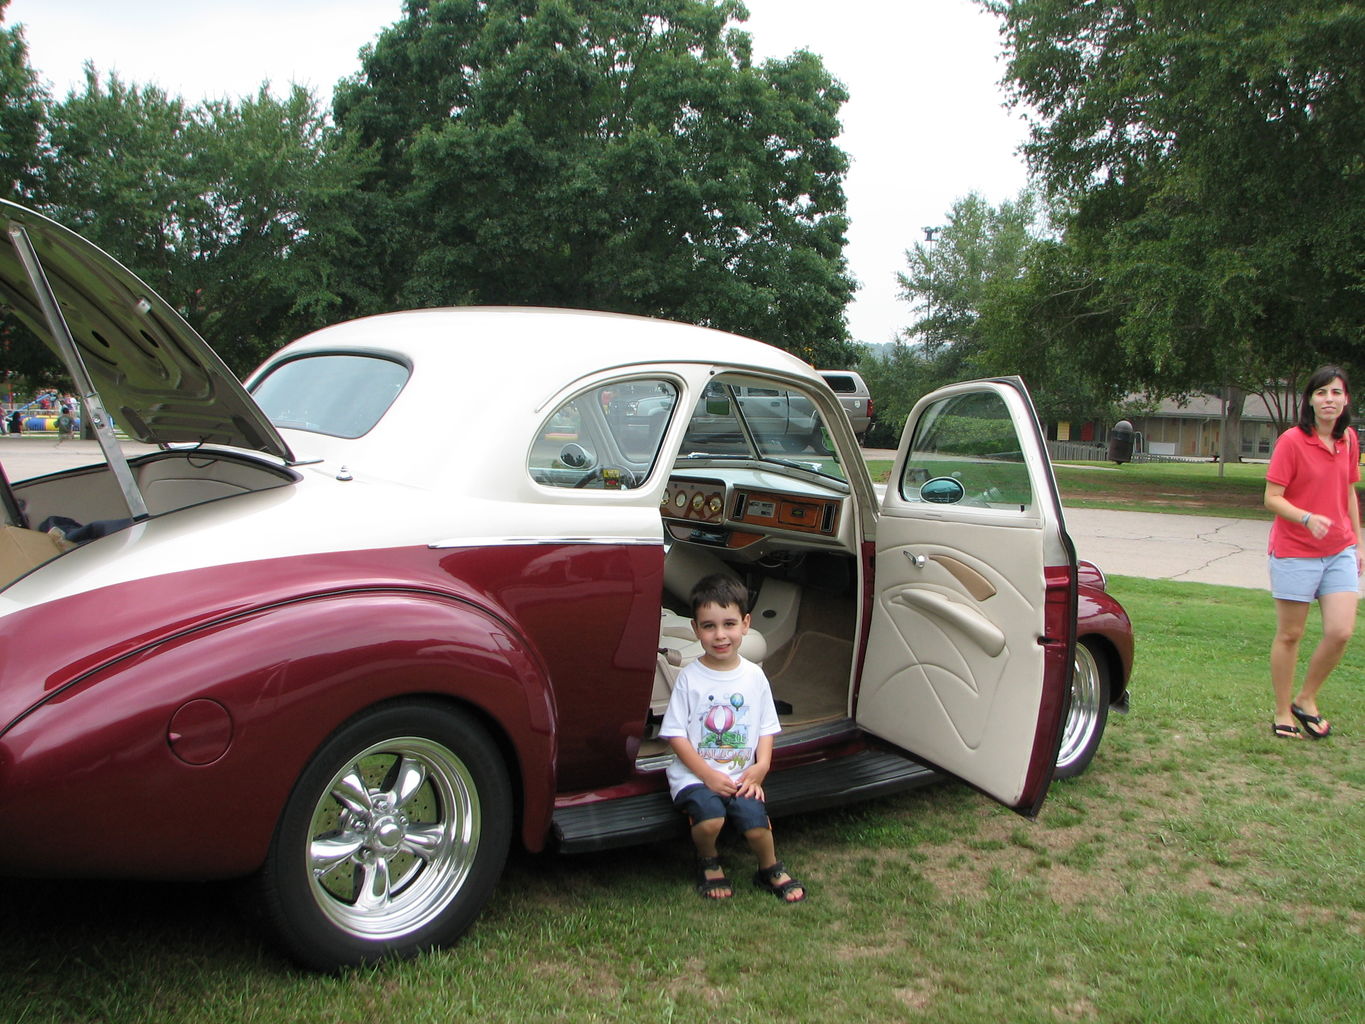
<point>1310,486</point>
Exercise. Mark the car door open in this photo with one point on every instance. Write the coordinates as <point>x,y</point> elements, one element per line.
<point>973,609</point>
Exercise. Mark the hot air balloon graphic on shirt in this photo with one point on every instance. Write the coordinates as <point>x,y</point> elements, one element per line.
<point>723,742</point>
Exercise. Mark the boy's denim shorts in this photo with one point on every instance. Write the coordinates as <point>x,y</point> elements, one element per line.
<point>1302,579</point>
<point>700,804</point>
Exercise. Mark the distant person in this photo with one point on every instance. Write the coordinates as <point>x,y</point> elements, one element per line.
<point>1314,547</point>
<point>720,723</point>
<point>66,425</point>
<point>16,422</point>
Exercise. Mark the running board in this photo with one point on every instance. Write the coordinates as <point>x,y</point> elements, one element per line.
<point>651,816</point>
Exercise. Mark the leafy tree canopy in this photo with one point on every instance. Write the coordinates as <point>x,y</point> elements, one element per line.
<point>996,295</point>
<point>21,112</point>
<point>1210,155</point>
<point>953,272</point>
<point>623,155</point>
<point>231,211</point>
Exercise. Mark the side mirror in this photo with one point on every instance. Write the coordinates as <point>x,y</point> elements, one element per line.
<point>575,456</point>
<point>942,490</point>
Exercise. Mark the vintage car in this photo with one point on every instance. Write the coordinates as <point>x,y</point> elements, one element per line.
<point>355,627</point>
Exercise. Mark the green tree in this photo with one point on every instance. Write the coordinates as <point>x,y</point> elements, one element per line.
<point>950,274</point>
<point>234,212</point>
<point>117,170</point>
<point>992,299</point>
<point>275,233</point>
<point>897,375</point>
<point>22,105</point>
<point>612,154</point>
<point>1210,154</point>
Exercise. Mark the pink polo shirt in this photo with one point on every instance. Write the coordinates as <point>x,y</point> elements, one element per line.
<point>1317,481</point>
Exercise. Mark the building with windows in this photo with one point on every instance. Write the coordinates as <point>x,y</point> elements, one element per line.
<point>1191,429</point>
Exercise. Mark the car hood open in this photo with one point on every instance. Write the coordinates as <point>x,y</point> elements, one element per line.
<point>154,374</point>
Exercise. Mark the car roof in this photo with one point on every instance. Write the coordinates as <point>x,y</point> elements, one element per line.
<point>536,350</point>
<point>484,378</point>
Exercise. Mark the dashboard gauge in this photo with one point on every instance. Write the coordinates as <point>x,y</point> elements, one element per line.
<point>697,502</point>
<point>714,504</point>
<point>680,501</point>
<point>663,502</point>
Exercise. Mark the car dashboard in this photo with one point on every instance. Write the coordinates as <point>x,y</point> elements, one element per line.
<point>752,512</point>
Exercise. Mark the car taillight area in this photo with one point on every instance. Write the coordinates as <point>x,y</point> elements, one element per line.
<point>1059,626</point>
<point>1059,611</point>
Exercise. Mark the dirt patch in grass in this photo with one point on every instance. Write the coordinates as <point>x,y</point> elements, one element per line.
<point>1141,826</point>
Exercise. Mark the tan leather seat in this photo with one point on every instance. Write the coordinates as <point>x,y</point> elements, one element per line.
<point>679,646</point>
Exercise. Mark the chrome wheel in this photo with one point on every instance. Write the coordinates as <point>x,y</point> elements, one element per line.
<point>1087,713</point>
<point>393,838</point>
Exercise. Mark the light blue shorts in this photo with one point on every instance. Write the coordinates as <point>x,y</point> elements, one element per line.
<point>1302,579</point>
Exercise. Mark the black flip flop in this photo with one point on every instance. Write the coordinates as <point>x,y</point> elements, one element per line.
<point>1310,721</point>
<point>1286,732</point>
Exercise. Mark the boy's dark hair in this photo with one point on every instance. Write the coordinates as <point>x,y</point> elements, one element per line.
<point>1323,376</point>
<point>719,589</point>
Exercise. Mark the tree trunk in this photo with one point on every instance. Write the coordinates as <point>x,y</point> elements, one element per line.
<point>1231,441</point>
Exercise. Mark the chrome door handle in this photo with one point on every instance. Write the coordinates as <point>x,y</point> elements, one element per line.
<point>918,561</point>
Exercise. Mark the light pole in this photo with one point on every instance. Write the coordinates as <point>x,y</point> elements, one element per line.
<point>929,240</point>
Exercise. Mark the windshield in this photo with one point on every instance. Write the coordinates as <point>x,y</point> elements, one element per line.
<point>749,418</point>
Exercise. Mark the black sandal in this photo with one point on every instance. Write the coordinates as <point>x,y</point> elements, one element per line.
<point>1316,726</point>
<point>708,887</point>
<point>1286,732</point>
<point>766,878</point>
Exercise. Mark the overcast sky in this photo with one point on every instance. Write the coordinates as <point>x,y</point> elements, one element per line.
<point>924,125</point>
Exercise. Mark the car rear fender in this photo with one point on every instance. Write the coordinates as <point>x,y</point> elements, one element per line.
<point>1100,615</point>
<point>175,771</point>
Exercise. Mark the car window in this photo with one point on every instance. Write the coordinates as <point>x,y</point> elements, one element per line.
<point>841,383</point>
<point>340,395</point>
<point>605,438</point>
<point>783,423</point>
<point>965,450</point>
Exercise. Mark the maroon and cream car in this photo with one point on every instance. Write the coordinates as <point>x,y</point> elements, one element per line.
<point>355,627</point>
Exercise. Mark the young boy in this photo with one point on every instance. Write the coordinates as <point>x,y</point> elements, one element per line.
<point>720,722</point>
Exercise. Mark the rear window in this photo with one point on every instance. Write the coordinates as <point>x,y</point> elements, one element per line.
<point>340,395</point>
<point>841,383</point>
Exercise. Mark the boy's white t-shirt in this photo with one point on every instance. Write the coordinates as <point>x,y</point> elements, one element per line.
<point>722,714</point>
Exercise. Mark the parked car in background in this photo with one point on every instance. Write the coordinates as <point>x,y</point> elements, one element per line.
<point>783,418</point>
<point>316,641</point>
<point>854,398</point>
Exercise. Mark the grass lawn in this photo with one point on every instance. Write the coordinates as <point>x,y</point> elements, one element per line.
<point>1188,487</point>
<point>1200,871</point>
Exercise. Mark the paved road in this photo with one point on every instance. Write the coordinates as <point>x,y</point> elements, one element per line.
<point>1199,549</point>
<point>1192,549</point>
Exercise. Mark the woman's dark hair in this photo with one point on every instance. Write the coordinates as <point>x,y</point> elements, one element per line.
<point>1323,376</point>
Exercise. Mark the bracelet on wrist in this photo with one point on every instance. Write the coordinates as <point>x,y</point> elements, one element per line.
<point>1306,516</point>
